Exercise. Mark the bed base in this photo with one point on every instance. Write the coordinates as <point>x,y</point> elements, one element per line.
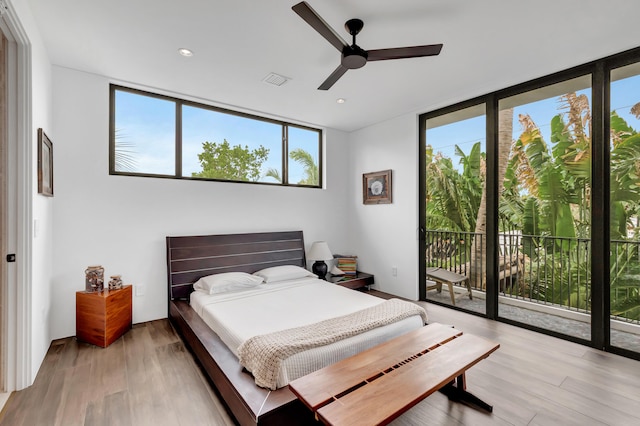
<point>192,257</point>
<point>248,403</point>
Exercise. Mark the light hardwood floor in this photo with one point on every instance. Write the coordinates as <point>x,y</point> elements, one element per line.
<point>141,379</point>
<point>146,377</point>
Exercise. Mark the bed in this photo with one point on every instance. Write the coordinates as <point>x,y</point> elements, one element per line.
<point>200,317</point>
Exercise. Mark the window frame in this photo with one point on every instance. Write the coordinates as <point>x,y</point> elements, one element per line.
<point>179,103</point>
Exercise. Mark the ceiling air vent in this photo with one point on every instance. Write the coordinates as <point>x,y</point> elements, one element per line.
<point>275,79</point>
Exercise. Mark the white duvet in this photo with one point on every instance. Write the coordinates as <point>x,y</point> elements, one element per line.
<point>237,316</point>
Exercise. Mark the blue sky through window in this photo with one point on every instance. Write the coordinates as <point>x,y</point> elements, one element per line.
<point>202,125</point>
<point>624,94</point>
<point>145,126</point>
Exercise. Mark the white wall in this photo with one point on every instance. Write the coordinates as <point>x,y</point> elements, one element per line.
<point>41,207</point>
<point>386,235</point>
<point>121,222</point>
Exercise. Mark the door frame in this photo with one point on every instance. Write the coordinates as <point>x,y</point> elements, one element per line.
<point>16,321</point>
<point>3,203</point>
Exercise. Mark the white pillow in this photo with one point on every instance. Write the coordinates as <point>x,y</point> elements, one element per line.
<point>282,273</point>
<point>226,282</point>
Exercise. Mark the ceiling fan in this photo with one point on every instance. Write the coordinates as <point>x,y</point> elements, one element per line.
<point>354,57</point>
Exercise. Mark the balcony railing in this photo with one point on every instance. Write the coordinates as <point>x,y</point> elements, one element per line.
<point>543,270</point>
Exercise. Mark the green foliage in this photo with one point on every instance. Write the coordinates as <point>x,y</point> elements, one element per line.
<point>237,163</point>
<point>546,195</point>
<point>625,179</point>
<point>124,154</point>
<point>311,169</point>
<point>625,275</point>
<point>453,198</point>
<point>274,174</point>
<point>619,126</point>
<point>557,185</point>
<point>530,228</point>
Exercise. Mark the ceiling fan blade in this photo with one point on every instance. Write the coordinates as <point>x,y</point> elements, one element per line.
<point>404,52</point>
<point>312,18</point>
<point>330,81</point>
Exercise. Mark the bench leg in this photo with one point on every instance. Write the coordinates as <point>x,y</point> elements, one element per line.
<point>458,393</point>
<point>437,286</point>
<point>452,294</point>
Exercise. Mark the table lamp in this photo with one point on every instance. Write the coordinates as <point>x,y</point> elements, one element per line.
<point>319,252</point>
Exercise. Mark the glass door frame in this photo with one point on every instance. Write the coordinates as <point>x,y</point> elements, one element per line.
<point>600,194</point>
<point>603,73</point>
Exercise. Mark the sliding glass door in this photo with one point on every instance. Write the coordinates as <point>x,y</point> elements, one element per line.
<point>455,208</point>
<point>530,204</point>
<point>624,291</point>
<point>544,227</point>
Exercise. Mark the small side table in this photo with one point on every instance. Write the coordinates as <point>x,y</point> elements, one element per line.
<point>357,281</point>
<point>102,317</point>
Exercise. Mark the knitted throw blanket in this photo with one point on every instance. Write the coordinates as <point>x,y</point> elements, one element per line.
<point>262,355</point>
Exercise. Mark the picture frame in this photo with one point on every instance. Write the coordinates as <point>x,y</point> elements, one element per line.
<point>376,187</point>
<point>45,164</point>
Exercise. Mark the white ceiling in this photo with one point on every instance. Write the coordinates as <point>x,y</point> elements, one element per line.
<point>488,45</point>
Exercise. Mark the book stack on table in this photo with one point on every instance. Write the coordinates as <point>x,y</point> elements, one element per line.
<point>347,264</point>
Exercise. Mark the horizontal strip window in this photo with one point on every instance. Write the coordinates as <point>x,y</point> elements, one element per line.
<point>153,135</point>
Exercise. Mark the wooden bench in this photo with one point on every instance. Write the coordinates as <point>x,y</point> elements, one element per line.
<point>444,276</point>
<point>379,384</point>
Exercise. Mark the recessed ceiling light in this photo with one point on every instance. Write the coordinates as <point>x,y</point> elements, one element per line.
<point>185,52</point>
<point>341,100</point>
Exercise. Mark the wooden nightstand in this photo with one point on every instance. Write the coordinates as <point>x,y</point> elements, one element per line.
<point>102,317</point>
<point>357,281</point>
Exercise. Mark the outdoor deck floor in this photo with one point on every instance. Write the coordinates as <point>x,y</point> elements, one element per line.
<point>568,326</point>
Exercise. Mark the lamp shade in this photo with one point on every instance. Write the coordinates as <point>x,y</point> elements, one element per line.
<point>319,251</point>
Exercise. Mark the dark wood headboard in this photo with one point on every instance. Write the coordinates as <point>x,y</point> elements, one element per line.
<point>191,257</point>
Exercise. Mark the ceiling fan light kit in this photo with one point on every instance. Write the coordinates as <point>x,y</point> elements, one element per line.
<point>353,56</point>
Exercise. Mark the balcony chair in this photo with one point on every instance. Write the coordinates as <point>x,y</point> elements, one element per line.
<point>443,276</point>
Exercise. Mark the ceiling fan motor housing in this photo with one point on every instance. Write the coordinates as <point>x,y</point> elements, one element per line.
<point>353,57</point>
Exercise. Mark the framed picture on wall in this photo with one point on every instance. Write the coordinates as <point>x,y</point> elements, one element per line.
<point>45,165</point>
<point>376,187</point>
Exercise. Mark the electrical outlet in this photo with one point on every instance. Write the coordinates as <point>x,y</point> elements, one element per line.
<point>394,271</point>
<point>140,290</point>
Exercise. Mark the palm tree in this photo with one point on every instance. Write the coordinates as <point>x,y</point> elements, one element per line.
<point>625,164</point>
<point>274,173</point>
<point>478,250</point>
<point>124,154</point>
<point>553,183</point>
<point>625,205</point>
<point>545,193</point>
<point>311,170</point>
<point>452,197</point>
